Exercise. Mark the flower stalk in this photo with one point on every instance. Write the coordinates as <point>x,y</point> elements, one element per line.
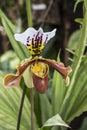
<point>21,107</point>
<point>32,108</point>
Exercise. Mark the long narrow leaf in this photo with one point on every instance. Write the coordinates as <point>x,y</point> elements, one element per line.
<point>10,30</point>
<point>43,108</point>
<point>29,14</point>
<point>46,109</point>
<point>78,97</point>
<point>58,91</point>
<point>67,105</point>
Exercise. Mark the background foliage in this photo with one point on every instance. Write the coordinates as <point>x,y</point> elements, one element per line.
<point>68,102</point>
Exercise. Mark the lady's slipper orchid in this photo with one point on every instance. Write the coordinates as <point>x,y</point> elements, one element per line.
<point>36,66</point>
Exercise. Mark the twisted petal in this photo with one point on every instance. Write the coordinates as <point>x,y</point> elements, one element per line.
<point>31,34</point>
<point>13,80</point>
<point>64,71</point>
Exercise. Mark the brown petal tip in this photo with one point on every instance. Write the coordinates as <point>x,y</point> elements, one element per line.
<point>11,80</point>
<point>68,71</point>
<point>67,81</point>
<point>60,67</point>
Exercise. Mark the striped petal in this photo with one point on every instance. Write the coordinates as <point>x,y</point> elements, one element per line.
<point>30,33</point>
<point>35,40</point>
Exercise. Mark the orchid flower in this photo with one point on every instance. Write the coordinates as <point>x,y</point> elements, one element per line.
<point>36,68</point>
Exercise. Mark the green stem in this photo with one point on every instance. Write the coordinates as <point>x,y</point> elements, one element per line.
<point>29,13</point>
<point>21,107</point>
<point>32,108</point>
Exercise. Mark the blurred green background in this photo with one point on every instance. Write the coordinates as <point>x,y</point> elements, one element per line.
<point>51,14</point>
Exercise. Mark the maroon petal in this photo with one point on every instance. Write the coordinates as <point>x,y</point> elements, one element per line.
<point>13,80</point>
<point>40,76</point>
<point>41,84</point>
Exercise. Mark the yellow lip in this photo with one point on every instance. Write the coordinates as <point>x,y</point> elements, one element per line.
<point>39,68</point>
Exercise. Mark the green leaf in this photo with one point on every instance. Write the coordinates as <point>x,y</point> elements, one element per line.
<point>84,124</point>
<point>77,2</point>
<point>54,121</point>
<point>85,3</point>
<point>58,91</point>
<point>20,49</point>
<point>46,109</point>
<point>9,107</point>
<point>68,103</point>
<point>11,58</point>
<point>78,98</point>
<point>79,20</point>
<point>1,74</point>
<point>73,40</point>
<point>29,14</point>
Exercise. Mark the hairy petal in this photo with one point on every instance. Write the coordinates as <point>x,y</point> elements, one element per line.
<point>13,80</point>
